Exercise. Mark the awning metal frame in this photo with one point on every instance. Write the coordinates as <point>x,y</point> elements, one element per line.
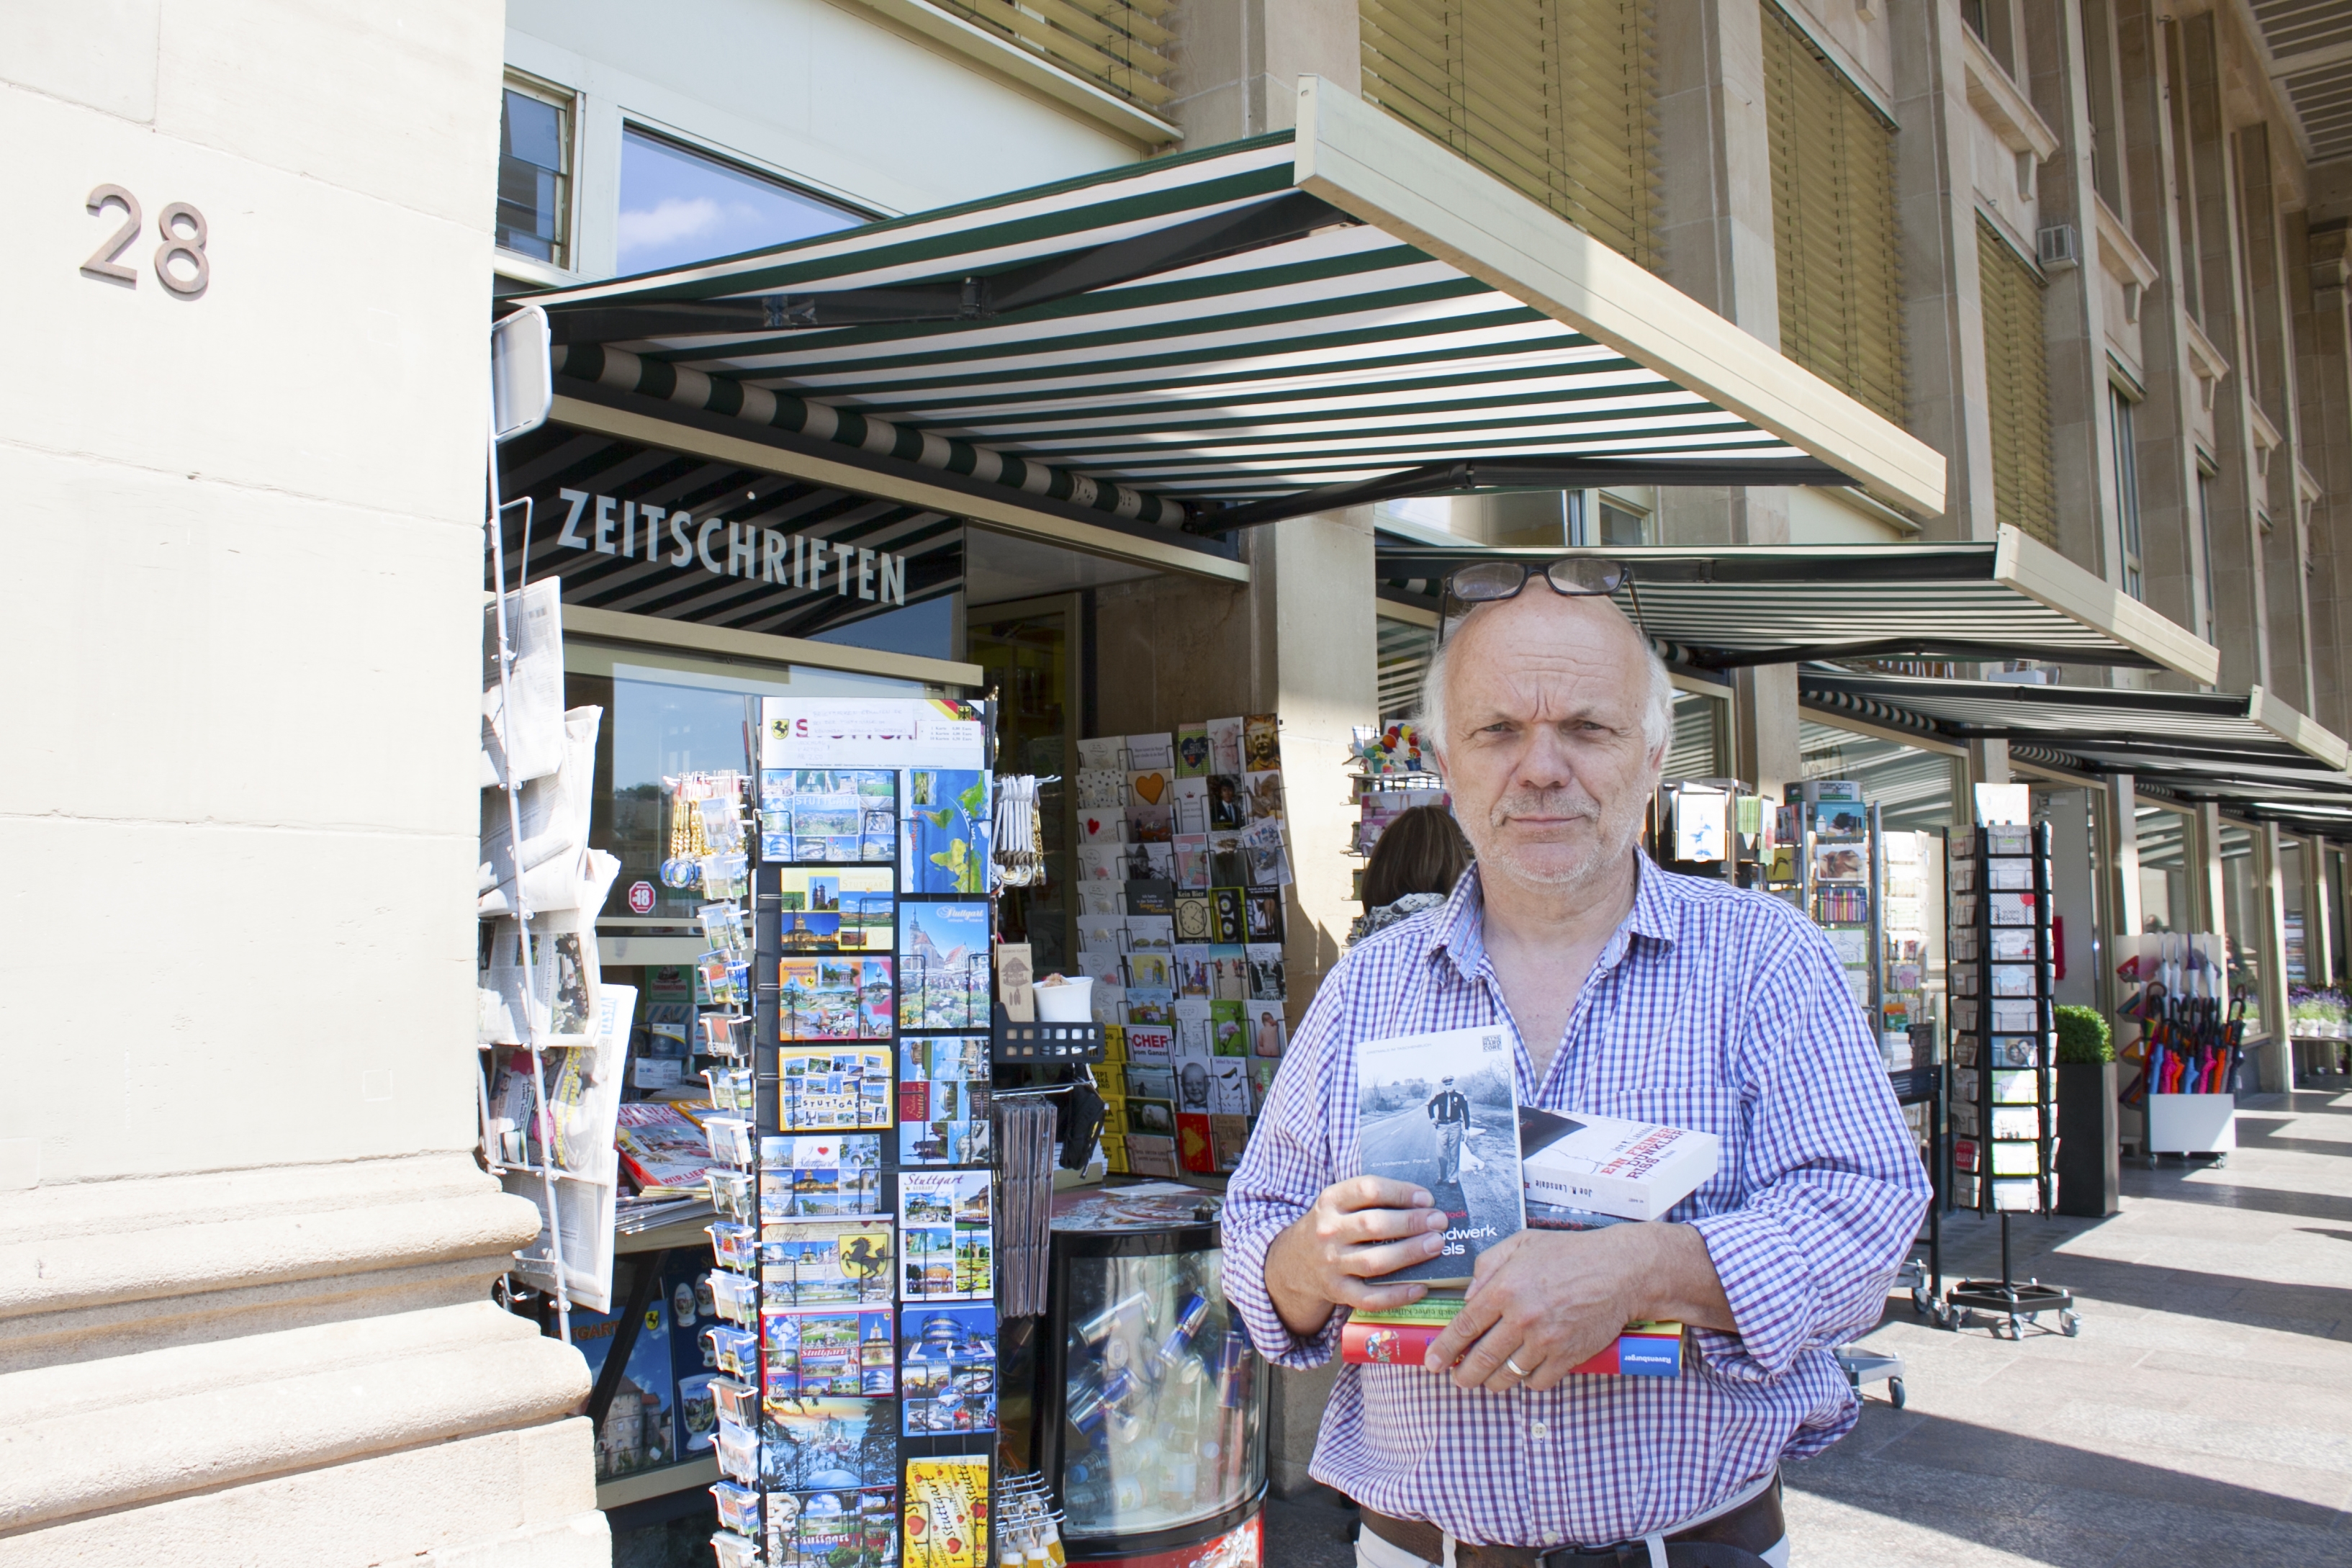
<point>2036,580</point>
<point>930,347</point>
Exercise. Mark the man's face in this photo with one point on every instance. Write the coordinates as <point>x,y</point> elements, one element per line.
<point>1543,750</point>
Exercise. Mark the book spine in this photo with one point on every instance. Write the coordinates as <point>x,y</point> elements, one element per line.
<point>1405,1344</point>
<point>1602,1194</point>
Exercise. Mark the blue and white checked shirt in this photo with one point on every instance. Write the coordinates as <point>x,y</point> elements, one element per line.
<point>1709,1008</point>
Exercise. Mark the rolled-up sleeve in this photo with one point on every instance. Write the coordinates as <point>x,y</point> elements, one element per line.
<point>1835,1187</point>
<point>1284,1170</point>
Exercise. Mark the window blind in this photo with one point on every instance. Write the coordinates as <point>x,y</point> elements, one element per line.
<point>2017,389</point>
<point>1556,98</point>
<point>1837,250</point>
<point>1119,45</point>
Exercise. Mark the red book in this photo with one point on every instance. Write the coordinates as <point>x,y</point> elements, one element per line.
<point>1644,1349</point>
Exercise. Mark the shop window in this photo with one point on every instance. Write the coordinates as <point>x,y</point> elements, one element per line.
<point>2164,900</point>
<point>2126,490</point>
<point>534,216</point>
<point>1913,789</point>
<point>665,715</point>
<point>1836,249</point>
<point>1030,659</point>
<point>2296,955</point>
<point>1557,99</point>
<point>1403,655</point>
<point>679,206</point>
<point>2242,914</point>
<point>1696,750</point>
<point>2205,545</point>
<point>2017,390</point>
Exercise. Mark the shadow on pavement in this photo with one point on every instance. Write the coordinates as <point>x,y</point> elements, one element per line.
<point>2054,1503</point>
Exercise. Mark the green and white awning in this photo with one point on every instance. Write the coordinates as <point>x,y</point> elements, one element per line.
<point>1727,605</point>
<point>1348,305</point>
<point>2249,751</point>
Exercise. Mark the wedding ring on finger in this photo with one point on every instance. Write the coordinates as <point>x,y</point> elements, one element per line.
<point>1516,1368</point>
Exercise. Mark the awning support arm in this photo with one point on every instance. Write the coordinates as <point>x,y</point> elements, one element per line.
<point>979,297</point>
<point>1518,473</point>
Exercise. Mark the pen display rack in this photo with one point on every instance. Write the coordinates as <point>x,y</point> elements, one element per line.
<point>2004,1044</point>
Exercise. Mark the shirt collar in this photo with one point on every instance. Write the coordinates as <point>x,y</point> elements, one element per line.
<point>1460,925</point>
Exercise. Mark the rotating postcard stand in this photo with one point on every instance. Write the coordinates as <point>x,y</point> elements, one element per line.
<point>2004,1043</point>
<point>856,1279</point>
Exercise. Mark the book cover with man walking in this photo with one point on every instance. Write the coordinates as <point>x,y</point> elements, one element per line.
<point>1441,1110</point>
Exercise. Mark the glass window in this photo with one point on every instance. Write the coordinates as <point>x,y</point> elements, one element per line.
<point>1697,749</point>
<point>2242,913</point>
<point>2298,966</point>
<point>679,206</point>
<point>2163,870</point>
<point>1622,526</point>
<point>1029,659</point>
<point>669,714</point>
<point>2205,543</point>
<point>534,215</point>
<point>2126,491</point>
<point>1912,789</point>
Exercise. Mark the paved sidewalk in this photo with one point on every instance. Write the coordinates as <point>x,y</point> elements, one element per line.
<point>2203,1417</point>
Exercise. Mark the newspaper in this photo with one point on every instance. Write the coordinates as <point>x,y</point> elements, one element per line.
<point>533,733</point>
<point>584,1105</point>
<point>554,811</point>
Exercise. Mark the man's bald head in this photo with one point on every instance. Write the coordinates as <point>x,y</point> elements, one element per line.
<point>1550,716</point>
<point>1609,627</point>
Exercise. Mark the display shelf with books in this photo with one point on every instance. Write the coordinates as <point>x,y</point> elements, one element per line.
<point>1184,860</point>
<point>2004,1042</point>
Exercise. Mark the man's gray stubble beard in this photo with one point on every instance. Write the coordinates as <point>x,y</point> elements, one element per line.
<point>1611,842</point>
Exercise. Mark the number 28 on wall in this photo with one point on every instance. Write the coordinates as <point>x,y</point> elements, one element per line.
<point>181,263</point>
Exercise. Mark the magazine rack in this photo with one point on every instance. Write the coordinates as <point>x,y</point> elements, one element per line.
<point>2004,1041</point>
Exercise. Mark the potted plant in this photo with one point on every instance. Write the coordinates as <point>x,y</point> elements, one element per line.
<point>2090,1165</point>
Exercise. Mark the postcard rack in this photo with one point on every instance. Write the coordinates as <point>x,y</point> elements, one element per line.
<point>2004,1045</point>
<point>856,1279</point>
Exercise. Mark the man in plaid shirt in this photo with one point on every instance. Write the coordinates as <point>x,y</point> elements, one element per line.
<point>1631,992</point>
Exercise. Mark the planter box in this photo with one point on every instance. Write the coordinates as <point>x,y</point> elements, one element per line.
<point>2193,1123</point>
<point>2089,1165</point>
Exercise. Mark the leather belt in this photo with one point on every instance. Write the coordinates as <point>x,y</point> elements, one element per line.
<point>1735,1540</point>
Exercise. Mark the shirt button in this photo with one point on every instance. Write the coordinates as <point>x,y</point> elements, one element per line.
<point>1538,1431</point>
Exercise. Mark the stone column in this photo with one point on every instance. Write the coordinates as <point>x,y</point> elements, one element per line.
<point>2075,331</point>
<point>246,1254</point>
<point>1944,326</point>
<point>1716,233</point>
<point>2276,1062</point>
<point>2122,815</point>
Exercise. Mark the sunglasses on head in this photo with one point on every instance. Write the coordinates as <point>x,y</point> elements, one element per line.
<point>1491,581</point>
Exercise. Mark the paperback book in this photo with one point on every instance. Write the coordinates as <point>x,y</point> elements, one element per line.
<point>1634,1170</point>
<point>1401,1337</point>
<point>1440,1111</point>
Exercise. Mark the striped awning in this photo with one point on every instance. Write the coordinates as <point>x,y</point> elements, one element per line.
<point>2007,598</point>
<point>1270,321</point>
<point>2249,751</point>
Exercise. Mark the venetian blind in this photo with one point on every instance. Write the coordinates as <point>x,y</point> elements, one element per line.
<point>1115,44</point>
<point>1834,233</point>
<point>2017,389</point>
<point>1556,98</point>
